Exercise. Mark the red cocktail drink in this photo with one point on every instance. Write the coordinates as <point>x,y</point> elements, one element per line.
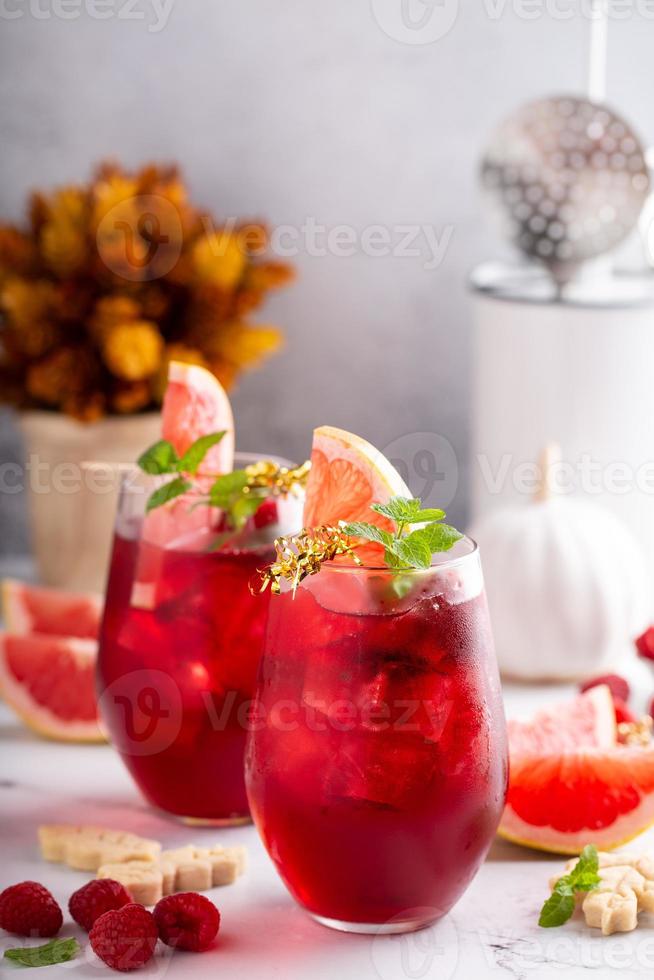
<point>377,767</point>
<point>180,646</point>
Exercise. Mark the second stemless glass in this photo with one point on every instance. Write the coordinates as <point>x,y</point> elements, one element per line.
<point>180,646</point>
<point>377,767</point>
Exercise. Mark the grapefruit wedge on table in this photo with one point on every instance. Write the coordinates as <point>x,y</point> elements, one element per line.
<point>49,679</point>
<point>348,475</point>
<point>572,783</point>
<point>37,609</point>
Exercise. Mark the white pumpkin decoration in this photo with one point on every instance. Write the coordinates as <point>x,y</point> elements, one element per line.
<point>567,586</point>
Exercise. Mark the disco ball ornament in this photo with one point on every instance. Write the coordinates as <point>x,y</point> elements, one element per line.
<point>567,178</point>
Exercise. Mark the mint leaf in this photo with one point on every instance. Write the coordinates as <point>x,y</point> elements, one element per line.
<point>393,561</point>
<point>195,454</point>
<point>399,509</point>
<point>227,493</point>
<point>359,529</point>
<point>407,548</point>
<point>56,951</point>
<point>412,551</point>
<point>408,510</point>
<point>583,878</point>
<point>402,584</point>
<point>430,514</point>
<point>243,507</point>
<point>160,458</point>
<point>558,908</point>
<point>585,874</point>
<point>226,488</point>
<point>437,537</point>
<point>167,492</point>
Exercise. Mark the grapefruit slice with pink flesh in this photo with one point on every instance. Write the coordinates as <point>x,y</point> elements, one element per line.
<point>571,783</point>
<point>588,721</point>
<point>37,609</point>
<point>195,404</point>
<point>348,475</point>
<point>49,681</point>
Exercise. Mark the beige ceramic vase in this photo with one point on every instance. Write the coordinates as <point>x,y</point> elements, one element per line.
<point>72,476</point>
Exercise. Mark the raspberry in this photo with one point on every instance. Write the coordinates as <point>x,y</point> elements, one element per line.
<point>651,708</point>
<point>187,921</point>
<point>124,938</point>
<point>618,686</point>
<point>95,898</point>
<point>28,909</point>
<point>622,712</point>
<point>267,513</point>
<point>645,644</point>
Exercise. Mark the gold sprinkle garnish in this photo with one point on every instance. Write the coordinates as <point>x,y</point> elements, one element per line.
<point>302,555</point>
<point>280,480</point>
<point>636,732</point>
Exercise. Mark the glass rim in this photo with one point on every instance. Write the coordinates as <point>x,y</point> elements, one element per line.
<point>127,471</point>
<point>412,569</point>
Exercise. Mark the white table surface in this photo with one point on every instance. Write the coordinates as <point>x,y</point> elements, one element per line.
<point>492,932</point>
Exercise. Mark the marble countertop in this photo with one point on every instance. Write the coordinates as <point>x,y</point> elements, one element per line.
<point>492,932</point>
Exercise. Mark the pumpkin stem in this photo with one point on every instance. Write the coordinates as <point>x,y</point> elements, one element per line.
<point>548,459</point>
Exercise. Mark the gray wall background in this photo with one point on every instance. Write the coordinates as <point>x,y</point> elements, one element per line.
<point>296,110</point>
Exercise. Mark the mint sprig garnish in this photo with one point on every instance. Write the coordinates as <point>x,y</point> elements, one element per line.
<point>56,951</point>
<point>583,878</point>
<point>163,458</point>
<point>230,493</point>
<point>226,491</point>
<point>403,547</point>
<point>239,494</point>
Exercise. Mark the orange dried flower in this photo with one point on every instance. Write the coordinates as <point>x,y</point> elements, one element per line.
<point>60,375</point>
<point>130,396</point>
<point>110,311</point>
<point>219,259</point>
<point>62,237</point>
<point>132,350</point>
<point>29,308</point>
<point>238,347</point>
<point>113,278</point>
<point>18,253</point>
<point>87,407</point>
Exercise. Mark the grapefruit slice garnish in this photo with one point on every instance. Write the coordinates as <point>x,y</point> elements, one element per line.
<point>571,783</point>
<point>49,681</point>
<point>348,475</point>
<point>196,404</point>
<point>37,609</point>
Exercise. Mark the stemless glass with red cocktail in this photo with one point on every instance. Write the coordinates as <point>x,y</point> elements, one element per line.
<point>180,645</point>
<point>182,634</point>
<point>377,767</point>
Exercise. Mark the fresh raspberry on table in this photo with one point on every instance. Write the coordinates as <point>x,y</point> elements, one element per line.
<point>95,898</point>
<point>124,938</point>
<point>645,644</point>
<point>28,909</point>
<point>187,920</point>
<point>617,685</point>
